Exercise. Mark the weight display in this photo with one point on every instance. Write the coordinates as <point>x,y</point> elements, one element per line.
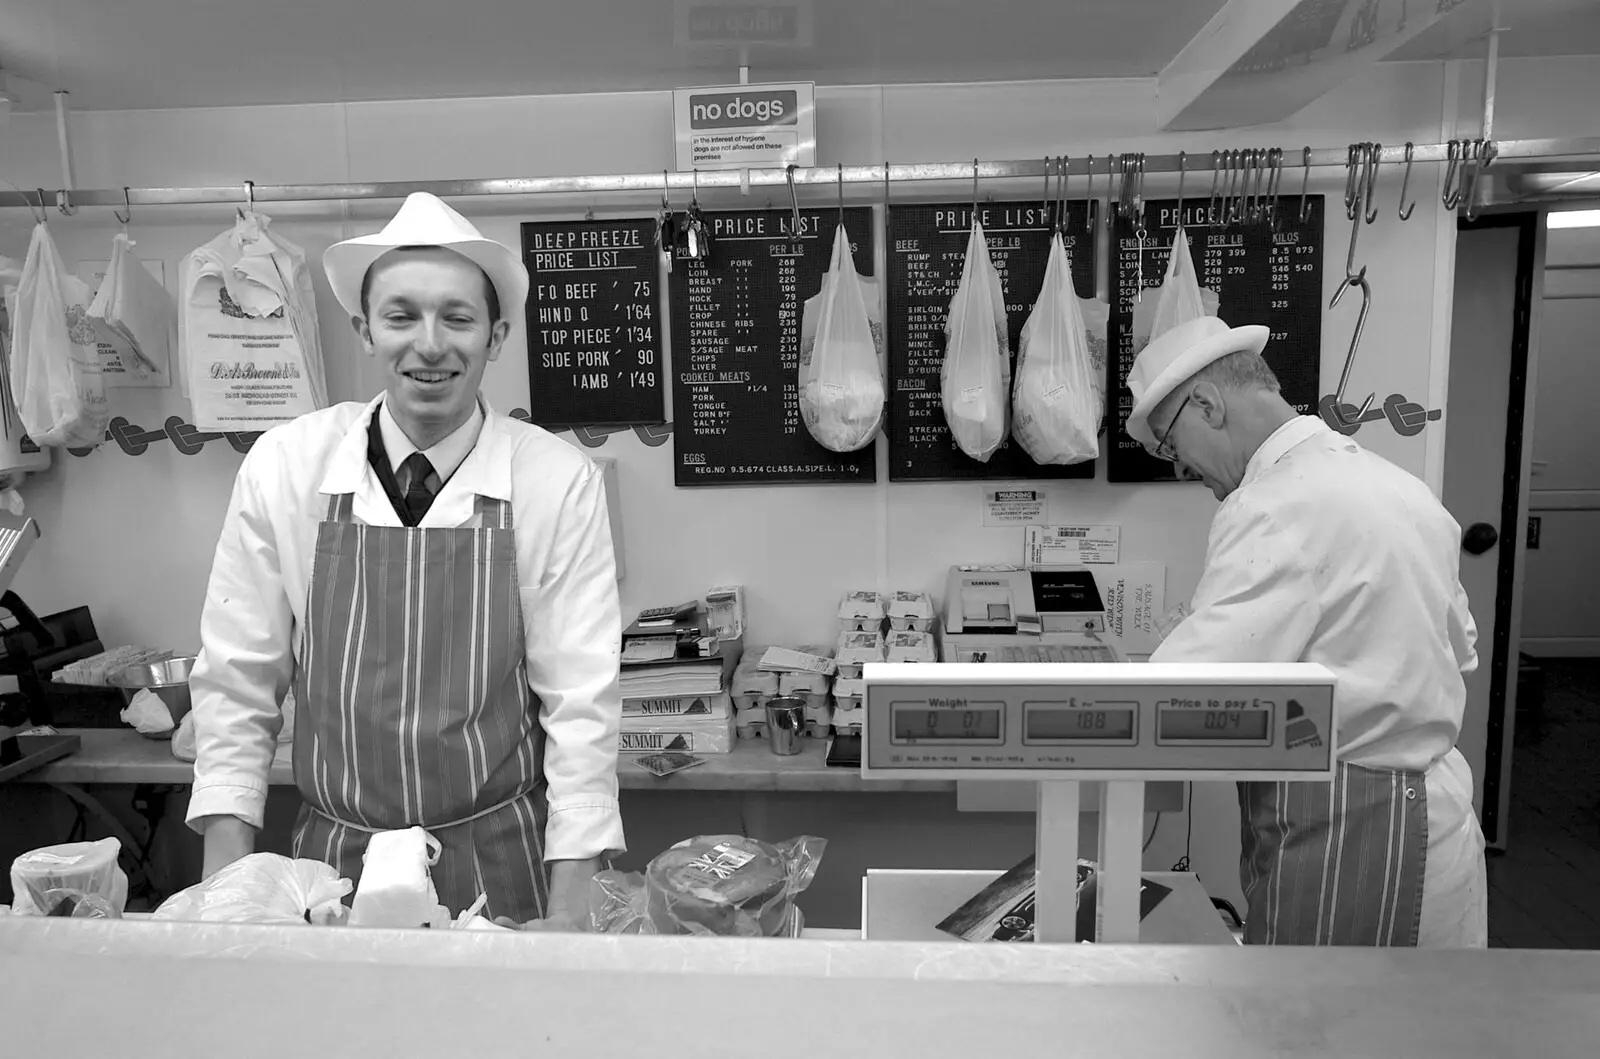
<point>1214,724</point>
<point>1041,725</point>
<point>919,723</point>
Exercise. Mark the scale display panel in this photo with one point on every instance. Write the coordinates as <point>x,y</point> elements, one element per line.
<point>1046,721</point>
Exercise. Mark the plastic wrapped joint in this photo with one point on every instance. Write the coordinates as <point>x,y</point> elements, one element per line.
<point>723,885</point>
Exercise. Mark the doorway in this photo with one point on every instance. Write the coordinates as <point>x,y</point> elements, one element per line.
<point>1518,468</point>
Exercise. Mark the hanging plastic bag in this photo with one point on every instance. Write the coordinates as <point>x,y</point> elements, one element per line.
<point>1180,299</point>
<point>134,313</point>
<point>841,357</point>
<point>249,345</point>
<point>1096,324</point>
<point>975,379</point>
<point>55,354</point>
<point>262,888</point>
<point>1056,403</point>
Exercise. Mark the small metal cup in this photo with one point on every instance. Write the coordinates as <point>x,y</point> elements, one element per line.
<point>786,725</point>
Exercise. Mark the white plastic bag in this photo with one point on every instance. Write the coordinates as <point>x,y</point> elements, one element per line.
<point>262,888</point>
<point>1056,403</point>
<point>148,713</point>
<point>134,313</point>
<point>975,379</point>
<point>1179,300</point>
<point>81,868</point>
<point>841,357</point>
<point>55,354</point>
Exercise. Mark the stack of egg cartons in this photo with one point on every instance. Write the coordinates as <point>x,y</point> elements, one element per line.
<point>861,622</point>
<point>751,687</point>
<point>812,688</point>
<point>909,617</point>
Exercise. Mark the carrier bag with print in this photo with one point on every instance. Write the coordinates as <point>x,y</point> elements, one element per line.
<point>249,346</point>
<point>1056,403</point>
<point>56,379</point>
<point>975,378</point>
<point>841,357</point>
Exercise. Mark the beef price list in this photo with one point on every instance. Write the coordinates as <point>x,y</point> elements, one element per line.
<point>736,349</point>
<point>927,249</point>
<point>1263,274</point>
<point>594,328</point>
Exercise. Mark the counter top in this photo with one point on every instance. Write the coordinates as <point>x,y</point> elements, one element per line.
<point>121,755</point>
<point>426,993</point>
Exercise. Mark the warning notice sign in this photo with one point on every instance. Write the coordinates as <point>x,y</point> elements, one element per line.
<point>768,126</point>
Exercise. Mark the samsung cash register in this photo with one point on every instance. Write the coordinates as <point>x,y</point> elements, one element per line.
<point>1008,614</point>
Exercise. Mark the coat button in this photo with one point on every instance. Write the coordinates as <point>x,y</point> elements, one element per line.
<point>1411,792</point>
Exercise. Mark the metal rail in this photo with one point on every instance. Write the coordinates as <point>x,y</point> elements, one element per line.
<point>1294,159</point>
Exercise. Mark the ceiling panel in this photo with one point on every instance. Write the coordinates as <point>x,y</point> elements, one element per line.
<point>175,53</point>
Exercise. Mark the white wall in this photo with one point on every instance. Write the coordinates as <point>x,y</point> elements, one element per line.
<point>1561,612</point>
<point>132,537</point>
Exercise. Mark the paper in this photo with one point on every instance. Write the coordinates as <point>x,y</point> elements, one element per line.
<point>780,659</point>
<point>1004,910</point>
<point>1071,545</point>
<point>667,764</point>
<point>112,369</point>
<point>1013,507</point>
<point>1135,595</point>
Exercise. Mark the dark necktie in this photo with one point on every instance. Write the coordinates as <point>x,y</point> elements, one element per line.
<point>418,496</point>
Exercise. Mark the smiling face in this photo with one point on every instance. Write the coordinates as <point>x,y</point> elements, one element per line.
<point>428,322</point>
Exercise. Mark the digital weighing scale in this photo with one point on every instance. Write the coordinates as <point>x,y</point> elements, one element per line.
<point>1117,725</point>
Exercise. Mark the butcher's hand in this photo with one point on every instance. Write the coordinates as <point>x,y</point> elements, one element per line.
<point>568,910</point>
<point>227,839</point>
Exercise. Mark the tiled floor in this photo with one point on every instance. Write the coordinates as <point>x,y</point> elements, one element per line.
<point>1544,891</point>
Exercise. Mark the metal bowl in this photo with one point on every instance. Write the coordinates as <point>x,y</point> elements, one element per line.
<point>169,680</point>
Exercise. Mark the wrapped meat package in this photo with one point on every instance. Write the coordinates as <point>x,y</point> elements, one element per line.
<point>46,878</point>
<point>724,885</point>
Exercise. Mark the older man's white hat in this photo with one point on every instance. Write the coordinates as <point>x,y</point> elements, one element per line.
<point>1174,357</point>
<point>425,220</point>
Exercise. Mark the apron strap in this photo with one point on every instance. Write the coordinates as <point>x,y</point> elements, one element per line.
<point>479,815</point>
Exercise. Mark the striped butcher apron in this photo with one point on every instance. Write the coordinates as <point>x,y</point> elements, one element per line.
<point>1338,863</point>
<point>414,707</point>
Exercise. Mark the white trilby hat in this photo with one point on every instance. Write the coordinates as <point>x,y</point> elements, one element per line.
<point>425,220</point>
<point>1174,357</point>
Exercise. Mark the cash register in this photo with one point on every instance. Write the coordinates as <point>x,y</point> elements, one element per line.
<point>21,749</point>
<point>1009,614</point>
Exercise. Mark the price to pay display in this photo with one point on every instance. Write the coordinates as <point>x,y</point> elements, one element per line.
<point>1067,721</point>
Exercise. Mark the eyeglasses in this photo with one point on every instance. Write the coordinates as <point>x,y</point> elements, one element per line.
<point>1163,450</point>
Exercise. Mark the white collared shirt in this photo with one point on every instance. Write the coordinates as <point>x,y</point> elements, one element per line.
<point>444,457</point>
<point>256,599</point>
<point>1329,553</point>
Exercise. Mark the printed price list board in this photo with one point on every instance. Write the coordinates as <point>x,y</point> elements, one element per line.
<point>927,249</point>
<point>1263,274</point>
<point>594,327</point>
<point>736,349</point>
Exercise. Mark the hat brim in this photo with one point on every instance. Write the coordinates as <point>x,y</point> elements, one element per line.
<point>347,263</point>
<point>1250,338</point>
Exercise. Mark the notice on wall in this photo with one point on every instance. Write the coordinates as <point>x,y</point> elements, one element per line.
<point>736,350</point>
<point>113,356</point>
<point>1048,546</point>
<point>927,249</point>
<point>594,323</point>
<point>1264,271</point>
<point>1013,507</point>
<point>764,126</point>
